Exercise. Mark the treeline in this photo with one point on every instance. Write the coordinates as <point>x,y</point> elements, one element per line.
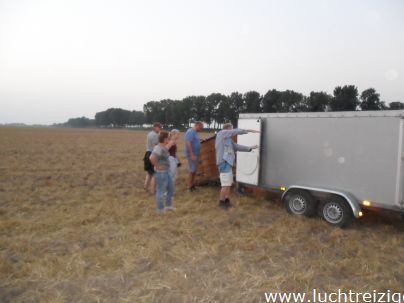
<point>77,122</point>
<point>216,109</point>
<point>118,117</point>
<point>112,117</point>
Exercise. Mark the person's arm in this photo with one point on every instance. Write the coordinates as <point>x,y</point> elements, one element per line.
<point>174,154</point>
<point>188,145</point>
<point>153,159</point>
<point>243,148</point>
<point>228,133</point>
<point>156,142</point>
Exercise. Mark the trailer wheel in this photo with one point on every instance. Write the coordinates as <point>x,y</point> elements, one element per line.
<point>336,211</point>
<point>300,202</point>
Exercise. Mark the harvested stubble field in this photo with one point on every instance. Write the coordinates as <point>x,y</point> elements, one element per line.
<point>77,226</point>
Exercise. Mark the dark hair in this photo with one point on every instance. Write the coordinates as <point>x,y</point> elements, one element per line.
<point>157,124</point>
<point>162,136</point>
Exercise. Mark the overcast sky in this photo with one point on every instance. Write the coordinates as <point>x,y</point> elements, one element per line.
<point>63,59</point>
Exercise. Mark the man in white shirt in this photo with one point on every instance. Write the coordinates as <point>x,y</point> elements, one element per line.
<point>151,142</point>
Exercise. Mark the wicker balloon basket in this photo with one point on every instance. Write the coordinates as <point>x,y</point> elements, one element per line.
<point>207,170</point>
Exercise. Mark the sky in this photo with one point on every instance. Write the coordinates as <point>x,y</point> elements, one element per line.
<point>64,59</point>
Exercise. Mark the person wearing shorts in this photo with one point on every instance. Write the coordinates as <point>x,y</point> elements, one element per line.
<point>151,142</point>
<point>192,153</point>
<point>226,158</point>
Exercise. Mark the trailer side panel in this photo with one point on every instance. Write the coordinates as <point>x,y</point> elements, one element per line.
<point>358,155</point>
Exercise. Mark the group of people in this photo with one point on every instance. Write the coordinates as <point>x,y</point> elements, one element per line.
<point>161,162</point>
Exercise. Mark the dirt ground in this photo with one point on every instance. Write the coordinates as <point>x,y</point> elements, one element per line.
<point>77,226</point>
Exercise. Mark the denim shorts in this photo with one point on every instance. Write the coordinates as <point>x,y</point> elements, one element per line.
<point>224,167</point>
<point>192,165</point>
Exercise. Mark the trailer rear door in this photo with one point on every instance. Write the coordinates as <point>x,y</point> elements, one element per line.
<point>400,168</point>
<point>248,163</point>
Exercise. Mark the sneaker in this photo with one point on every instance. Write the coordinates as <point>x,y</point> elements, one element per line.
<point>222,204</point>
<point>228,203</point>
<point>170,208</point>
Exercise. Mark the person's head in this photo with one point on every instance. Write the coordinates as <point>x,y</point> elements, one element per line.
<point>174,134</point>
<point>198,126</point>
<point>163,137</point>
<point>157,127</point>
<point>227,126</point>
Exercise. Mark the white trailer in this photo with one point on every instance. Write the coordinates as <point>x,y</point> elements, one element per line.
<point>332,163</point>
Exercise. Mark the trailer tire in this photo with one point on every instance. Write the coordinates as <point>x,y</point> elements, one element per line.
<point>300,202</point>
<point>336,211</point>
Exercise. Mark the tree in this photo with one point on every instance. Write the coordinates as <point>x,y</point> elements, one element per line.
<point>108,117</point>
<point>187,105</point>
<point>118,116</point>
<point>137,118</point>
<point>166,116</point>
<point>153,112</point>
<point>252,100</point>
<point>101,119</point>
<point>396,105</point>
<point>283,102</point>
<point>80,122</point>
<point>212,104</point>
<point>345,98</point>
<point>237,106</point>
<point>270,102</point>
<point>178,114</point>
<point>169,112</point>
<point>224,110</point>
<point>199,108</point>
<point>318,102</point>
<point>291,101</point>
<point>370,100</point>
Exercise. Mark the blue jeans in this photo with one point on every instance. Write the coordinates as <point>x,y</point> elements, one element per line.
<point>164,185</point>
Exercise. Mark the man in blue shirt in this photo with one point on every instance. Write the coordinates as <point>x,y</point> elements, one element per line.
<point>226,158</point>
<point>192,152</point>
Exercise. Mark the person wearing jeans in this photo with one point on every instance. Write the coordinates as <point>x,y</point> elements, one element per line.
<point>164,189</point>
<point>164,183</point>
<point>173,159</point>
